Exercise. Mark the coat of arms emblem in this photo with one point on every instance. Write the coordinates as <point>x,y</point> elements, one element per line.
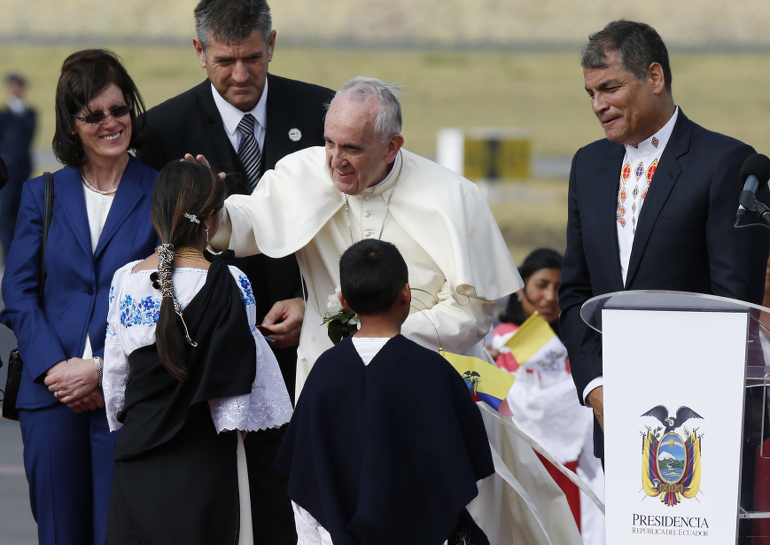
<point>671,463</point>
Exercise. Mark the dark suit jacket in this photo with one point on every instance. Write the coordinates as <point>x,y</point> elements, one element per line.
<point>77,280</point>
<point>190,123</point>
<point>685,240</point>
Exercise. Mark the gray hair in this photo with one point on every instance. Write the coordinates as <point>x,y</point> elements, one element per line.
<point>637,46</point>
<point>388,121</point>
<point>229,21</point>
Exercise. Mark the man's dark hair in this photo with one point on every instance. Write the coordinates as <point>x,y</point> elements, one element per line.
<point>637,46</point>
<point>372,273</point>
<point>229,21</point>
<point>84,75</point>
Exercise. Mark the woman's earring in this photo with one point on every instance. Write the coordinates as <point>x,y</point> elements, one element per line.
<point>207,235</point>
<point>518,298</point>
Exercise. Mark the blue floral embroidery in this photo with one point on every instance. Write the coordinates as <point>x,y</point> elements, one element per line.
<point>139,312</point>
<point>112,294</point>
<point>110,332</point>
<point>246,294</point>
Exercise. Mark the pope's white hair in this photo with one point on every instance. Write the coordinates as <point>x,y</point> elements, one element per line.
<point>388,121</point>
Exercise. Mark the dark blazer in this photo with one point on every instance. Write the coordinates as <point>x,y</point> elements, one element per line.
<point>190,123</point>
<point>685,240</point>
<point>77,280</point>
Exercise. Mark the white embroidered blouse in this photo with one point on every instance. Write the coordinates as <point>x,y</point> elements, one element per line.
<point>133,314</point>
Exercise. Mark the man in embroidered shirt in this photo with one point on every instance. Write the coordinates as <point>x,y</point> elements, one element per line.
<point>653,205</point>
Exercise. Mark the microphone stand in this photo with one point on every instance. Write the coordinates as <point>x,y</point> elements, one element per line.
<point>763,211</point>
<point>760,208</point>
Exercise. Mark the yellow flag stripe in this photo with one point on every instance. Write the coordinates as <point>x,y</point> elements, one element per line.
<point>531,336</point>
<point>646,483</point>
<point>494,381</point>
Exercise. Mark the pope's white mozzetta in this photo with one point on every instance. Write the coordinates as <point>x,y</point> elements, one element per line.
<point>439,221</point>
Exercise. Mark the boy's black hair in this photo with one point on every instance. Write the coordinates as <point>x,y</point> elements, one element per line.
<point>372,273</point>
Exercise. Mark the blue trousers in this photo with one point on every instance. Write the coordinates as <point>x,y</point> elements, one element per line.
<point>69,466</point>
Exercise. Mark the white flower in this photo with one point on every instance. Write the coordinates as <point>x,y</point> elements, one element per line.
<point>333,305</point>
<point>354,320</point>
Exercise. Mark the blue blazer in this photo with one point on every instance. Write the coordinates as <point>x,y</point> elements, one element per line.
<point>77,280</point>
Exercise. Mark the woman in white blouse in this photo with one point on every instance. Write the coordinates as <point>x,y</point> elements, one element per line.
<point>185,366</point>
<point>100,221</point>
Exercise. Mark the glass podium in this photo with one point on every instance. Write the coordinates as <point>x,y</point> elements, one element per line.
<point>694,331</point>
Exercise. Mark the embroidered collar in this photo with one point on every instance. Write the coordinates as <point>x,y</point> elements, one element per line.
<point>649,147</point>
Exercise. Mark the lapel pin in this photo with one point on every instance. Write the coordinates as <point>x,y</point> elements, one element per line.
<point>295,135</point>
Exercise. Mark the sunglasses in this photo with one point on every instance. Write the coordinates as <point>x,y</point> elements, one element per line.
<point>97,118</point>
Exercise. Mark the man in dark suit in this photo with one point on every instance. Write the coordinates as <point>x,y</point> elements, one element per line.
<point>17,128</point>
<point>235,43</point>
<point>652,206</point>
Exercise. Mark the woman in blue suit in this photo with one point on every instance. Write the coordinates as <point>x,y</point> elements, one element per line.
<point>100,221</point>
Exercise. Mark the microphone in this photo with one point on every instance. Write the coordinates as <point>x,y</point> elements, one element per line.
<point>754,172</point>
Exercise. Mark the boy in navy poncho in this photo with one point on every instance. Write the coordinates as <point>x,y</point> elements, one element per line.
<point>386,445</point>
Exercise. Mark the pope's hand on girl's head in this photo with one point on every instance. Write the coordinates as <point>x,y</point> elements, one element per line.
<point>202,160</point>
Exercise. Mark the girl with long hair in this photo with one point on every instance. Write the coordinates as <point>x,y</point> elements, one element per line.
<point>185,367</point>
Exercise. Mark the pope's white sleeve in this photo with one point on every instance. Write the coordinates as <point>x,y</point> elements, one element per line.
<point>459,327</point>
<point>236,231</point>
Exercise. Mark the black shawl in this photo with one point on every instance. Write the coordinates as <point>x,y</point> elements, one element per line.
<point>222,365</point>
<point>387,453</point>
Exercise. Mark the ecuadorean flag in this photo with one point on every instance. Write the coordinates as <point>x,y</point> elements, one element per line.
<point>485,381</point>
<point>534,342</point>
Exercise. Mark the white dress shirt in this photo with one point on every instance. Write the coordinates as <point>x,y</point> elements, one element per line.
<point>636,174</point>
<point>231,116</point>
<point>97,209</point>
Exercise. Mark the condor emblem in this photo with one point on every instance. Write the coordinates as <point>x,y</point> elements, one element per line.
<point>670,461</point>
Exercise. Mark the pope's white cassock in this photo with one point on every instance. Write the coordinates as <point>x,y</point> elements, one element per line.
<point>437,219</point>
<point>457,258</point>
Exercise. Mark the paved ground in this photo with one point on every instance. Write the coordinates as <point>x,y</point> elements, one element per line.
<point>17,527</point>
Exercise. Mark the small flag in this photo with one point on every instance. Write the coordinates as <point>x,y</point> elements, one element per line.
<point>485,381</point>
<point>533,336</point>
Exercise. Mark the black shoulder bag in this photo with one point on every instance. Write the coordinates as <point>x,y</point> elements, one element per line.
<point>15,363</point>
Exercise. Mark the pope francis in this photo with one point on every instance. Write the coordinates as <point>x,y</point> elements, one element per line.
<point>363,184</point>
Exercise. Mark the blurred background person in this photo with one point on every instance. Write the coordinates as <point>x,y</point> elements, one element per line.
<point>100,221</point>
<point>543,399</point>
<point>17,128</point>
<point>206,363</point>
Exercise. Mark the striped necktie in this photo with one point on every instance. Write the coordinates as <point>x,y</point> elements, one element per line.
<point>248,150</point>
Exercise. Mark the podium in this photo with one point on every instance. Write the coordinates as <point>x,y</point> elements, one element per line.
<point>685,413</point>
